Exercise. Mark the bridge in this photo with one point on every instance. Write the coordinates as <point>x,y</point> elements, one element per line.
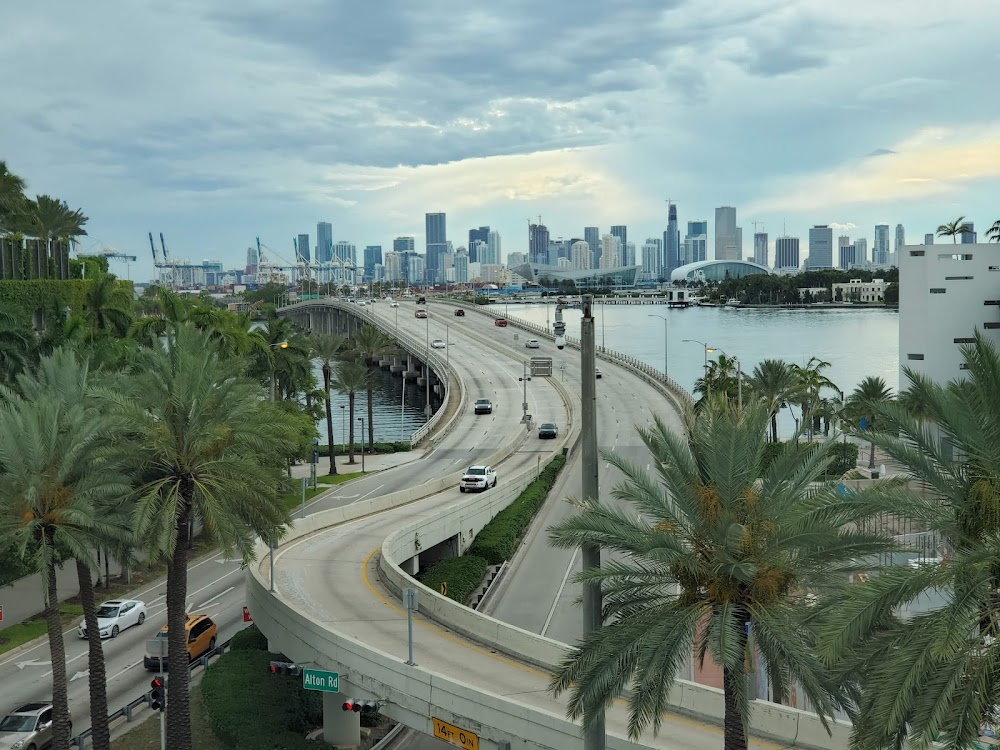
<point>339,573</point>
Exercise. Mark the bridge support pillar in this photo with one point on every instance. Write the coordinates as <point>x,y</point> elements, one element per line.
<point>412,566</point>
<point>340,728</point>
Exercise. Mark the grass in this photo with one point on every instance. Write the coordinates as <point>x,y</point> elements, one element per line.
<point>293,500</point>
<point>146,734</point>
<point>18,635</point>
<point>339,478</point>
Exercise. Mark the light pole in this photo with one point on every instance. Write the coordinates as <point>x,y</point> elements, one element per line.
<point>524,403</point>
<point>362,420</point>
<point>279,345</point>
<point>665,360</point>
<point>447,345</point>
<point>604,303</point>
<point>707,349</point>
<point>343,427</point>
<point>427,367</point>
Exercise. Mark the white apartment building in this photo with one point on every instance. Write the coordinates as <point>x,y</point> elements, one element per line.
<point>580,256</point>
<point>652,258</point>
<point>393,272</point>
<point>611,251</point>
<point>857,290</point>
<point>461,269</point>
<point>946,293</point>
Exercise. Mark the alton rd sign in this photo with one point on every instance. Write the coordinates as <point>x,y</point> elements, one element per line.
<point>326,682</point>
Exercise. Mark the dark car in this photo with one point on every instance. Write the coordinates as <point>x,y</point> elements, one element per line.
<point>421,300</point>
<point>547,430</point>
<point>500,322</point>
<point>459,312</point>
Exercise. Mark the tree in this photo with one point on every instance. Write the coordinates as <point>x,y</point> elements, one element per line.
<point>12,198</point>
<point>16,341</point>
<point>351,376</point>
<point>370,343</point>
<point>952,229</point>
<point>864,401</point>
<point>810,383</point>
<point>924,673</point>
<point>721,376</point>
<point>107,306</point>
<point>325,348</point>
<point>206,447</point>
<point>717,542</point>
<point>53,483</point>
<point>993,233</point>
<point>50,219</point>
<point>773,380</point>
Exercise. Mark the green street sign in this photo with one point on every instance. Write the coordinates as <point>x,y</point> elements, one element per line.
<point>316,679</point>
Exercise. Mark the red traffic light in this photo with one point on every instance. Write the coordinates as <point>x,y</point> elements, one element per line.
<point>157,693</point>
<point>156,682</point>
<point>349,705</point>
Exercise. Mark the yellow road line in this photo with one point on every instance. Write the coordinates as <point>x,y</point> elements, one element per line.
<point>465,643</point>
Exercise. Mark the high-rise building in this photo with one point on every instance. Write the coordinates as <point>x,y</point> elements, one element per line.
<point>538,243</point>
<point>652,260</point>
<point>324,242</point>
<point>477,235</point>
<point>695,243</point>
<point>253,260</point>
<point>760,248</point>
<point>611,251</point>
<point>302,247</point>
<point>861,251</point>
<point>404,245</point>
<point>462,268</point>
<point>392,269</point>
<point>516,259</point>
<point>786,253</point>
<point>900,241</point>
<point>417,270</point>
<point>628,255</point>
<point>968,236</point>
<point>621,232</point>
<point>436,237</point>
<point>493,245</point>
<point>728,237</point>
<point>845,253</point>
<point>346,253</point>
<point>592,236</point>
<point>580,255</point>
<point>880,250</point>
<point>820,247</point>
<point>478,250</point>
<point>373,257</point>
<point>671,243</point>
<point>929,238</point>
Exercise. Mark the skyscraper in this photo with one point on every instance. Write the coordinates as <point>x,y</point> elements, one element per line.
<point>611,251</point>
<point>621,232</point>
<point>628,255</point>
<point>786,253</point>
<point>652,260</point>
<point>861,251</point>
<point>302,247</point>
<point>580,256</point>
<point>695,243</point>
<point>897,249</point>
<point>592,236</point>
<point>345,253</point>
<point>845,253</point>
<point>760,248</point>
<point>493,245</point>
<point>968,236</point>
<point>477,235</point>
<point>404,245</point>
<point>880,250</point>
<point>727,235</point>
<point>324,242</point>
<point>671,243</point>
<point>436,236</point>
<point>820,247</point>
<point>538,243</point>
<point>373,257</point>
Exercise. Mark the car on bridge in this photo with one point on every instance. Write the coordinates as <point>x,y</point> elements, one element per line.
<point>438,344</point>
<point>393,303</point>
<point>459,312</point>
<point>478,478</point>
<point>531,344</point>
<point>500,322</point>
<point>597,373</point>
<point>484,406</point>
<point>421,300</point>
<point>547,430</point>
<point>116,615</point>
<point>420,314</point>
<point>201,635</point>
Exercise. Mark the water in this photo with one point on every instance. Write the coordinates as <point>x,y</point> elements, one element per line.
<point>856,343</point>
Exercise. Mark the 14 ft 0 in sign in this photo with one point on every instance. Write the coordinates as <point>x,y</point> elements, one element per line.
<point>455,735</point>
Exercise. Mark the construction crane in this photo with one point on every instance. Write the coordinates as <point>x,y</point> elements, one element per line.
<point>110,253</point>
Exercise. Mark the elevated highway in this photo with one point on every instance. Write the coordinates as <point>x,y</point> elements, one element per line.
<point>339,574</point>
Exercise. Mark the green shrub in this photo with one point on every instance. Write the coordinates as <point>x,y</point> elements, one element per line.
<point>499,538</point>
<point>462,574</point>
<point>844,457</point>
<point>252,709</point>
<point>249,639</point>
<point>391,447</point>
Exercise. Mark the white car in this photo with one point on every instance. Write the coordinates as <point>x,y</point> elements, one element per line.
<point>437,344</point>
<point>478,478</point>
<point>393,304</point>
<point>116,615</point>
<point>531,344</point>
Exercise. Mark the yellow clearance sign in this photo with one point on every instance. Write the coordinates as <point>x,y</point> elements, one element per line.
<point>455,735</point>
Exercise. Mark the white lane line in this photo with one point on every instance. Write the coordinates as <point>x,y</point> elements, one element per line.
<point>369,493</point>
<point>217,596</point>
<point>119,674</point>
<point>555,602</point>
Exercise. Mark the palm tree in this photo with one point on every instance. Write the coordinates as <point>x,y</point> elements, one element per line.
<point>370,343</point>
<point>207,447</point>
<point>993,233</point>
<point>12,198</point>
<point>923,672</point>
<point>50,219</point>
<point>952,229</point>
<point>720,377</point>
<point>773,380</point>
<point>864,401</point>
<point>325,348</point>
<point>810,382</point>
<point>719,541</point>
<point>16,342</point>
<point>351,377</point>
<point>108,306</point>
<point>52,487</point>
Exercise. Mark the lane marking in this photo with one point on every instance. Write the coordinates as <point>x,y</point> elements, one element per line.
<point>217,596</point>
<point>555,601</point>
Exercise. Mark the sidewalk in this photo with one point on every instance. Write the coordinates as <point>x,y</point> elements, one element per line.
<point>373,463</point>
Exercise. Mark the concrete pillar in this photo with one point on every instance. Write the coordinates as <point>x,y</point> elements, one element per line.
<point>412,566</point>
<point>340,728</point>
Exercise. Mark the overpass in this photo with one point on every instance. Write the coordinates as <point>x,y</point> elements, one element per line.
<point>339,574</point>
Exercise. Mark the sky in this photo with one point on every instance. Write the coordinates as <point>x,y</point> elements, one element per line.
<point>219,122</point>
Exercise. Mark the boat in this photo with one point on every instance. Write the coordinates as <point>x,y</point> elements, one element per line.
<point>733,302</point>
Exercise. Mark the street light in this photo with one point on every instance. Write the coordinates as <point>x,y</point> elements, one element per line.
<point>427,366</point>
<point>362,420</point>
<point>279,345</point>
<point>707,349</point>
<point>343,427</point>
<point>524,404</point>
<point>663,318</point>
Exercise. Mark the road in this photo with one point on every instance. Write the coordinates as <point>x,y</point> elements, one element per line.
<point>216,586</point>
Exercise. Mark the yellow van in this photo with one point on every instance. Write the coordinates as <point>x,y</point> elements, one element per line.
<point>201,635</point>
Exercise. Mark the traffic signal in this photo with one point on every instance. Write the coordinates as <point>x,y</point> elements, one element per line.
<point>351,705</point>
<point>285,667</point>
<point>158,693</point>
<point>365,708</point>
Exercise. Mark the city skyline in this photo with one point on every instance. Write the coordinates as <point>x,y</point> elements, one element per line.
<point>755,105</point>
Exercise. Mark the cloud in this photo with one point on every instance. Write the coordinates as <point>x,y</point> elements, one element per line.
<point>904,88</point>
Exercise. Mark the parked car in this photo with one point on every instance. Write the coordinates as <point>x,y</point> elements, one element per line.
<point>116,615</point>
<point>420,314</point>
<point>484,406</point>
<point>438,344</point>
<point>502,323</point>
<point>201,635</point>
<point>459,312</point>
<point>28,727</point>
<point>531,344</point>
<point>478,478</point>
<point>597,373</point>
<point>547,430</point>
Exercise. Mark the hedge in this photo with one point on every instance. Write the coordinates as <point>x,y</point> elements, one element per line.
<point>843,457</point>
<point>251,709</point>
<point>249,639</point>
<point>43,294</point>
<point>499,538</point>
<point>462,574</point>
<point>390,447</point>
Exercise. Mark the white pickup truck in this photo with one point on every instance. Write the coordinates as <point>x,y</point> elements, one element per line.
<point>478,478</point>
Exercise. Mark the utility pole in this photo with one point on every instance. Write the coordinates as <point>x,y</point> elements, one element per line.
<point>594,738</point>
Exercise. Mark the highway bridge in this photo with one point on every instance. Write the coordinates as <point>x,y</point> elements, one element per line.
<point>482,680</point>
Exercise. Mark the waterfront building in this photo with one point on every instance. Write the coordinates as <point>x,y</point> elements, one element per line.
<point>820,247</point>
<point>611,251</point>
<point>345,252</point>
<point>760,248</point>
<point>621,232</point>
<point>592,236</point>
<point>302,248</point>
<point>652,260</point>
<point>477,235</point>
<point>717,270</point>
<point>671,242</point>
<point>857,290</point>
<point>462,268</point>
<point>373,257</point>
<point>628,254</point>
<point>695,247</point>
<point>861,251</point>
<point>538,242</point>
<point>845,254</point>
<point>436,241</point>
<point>493,245</point>
<point>580,256</point>
<point>324,242</point>
<point>880,250</point>
<point>786,254</point>
<point>594,278</point>
<point>728,236</point>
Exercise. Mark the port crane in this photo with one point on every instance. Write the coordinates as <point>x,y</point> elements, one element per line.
<point>111,254</point>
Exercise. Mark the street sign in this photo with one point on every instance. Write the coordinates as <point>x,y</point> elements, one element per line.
<point>246,615</point>
<point>455,735</point>
<point>324,682</point>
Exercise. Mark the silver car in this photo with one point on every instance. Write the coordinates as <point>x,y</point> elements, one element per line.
<point>27,728</point>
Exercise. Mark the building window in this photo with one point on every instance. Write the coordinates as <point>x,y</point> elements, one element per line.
<point>958,278</point>
<point>955,256</point>
<point>963,366</point>
<point>991,325</point>
<point>941,290</point>
<point>914,356</point>
<point>995,268</point>
<point>965,341</point>
<point>916,253</point>
<point>991,302</point>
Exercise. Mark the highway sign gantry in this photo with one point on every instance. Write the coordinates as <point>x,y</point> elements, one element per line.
<point>320,680</point>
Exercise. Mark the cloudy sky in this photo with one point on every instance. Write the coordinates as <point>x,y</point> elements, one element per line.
<point>216,122</point>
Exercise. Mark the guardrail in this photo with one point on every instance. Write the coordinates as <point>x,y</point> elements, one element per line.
<point>128,709</point>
